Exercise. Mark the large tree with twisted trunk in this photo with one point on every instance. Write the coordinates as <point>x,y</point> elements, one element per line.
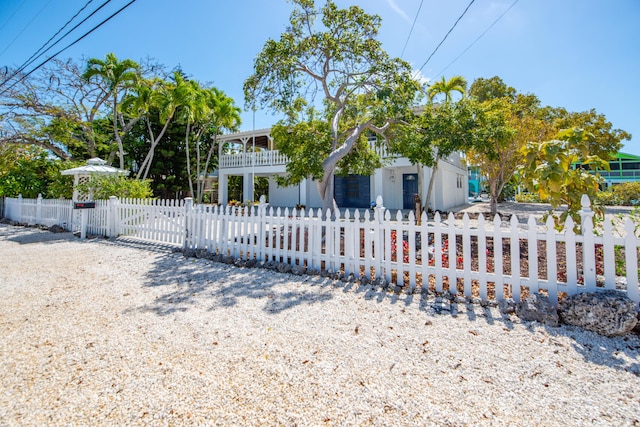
<point>330,77</point>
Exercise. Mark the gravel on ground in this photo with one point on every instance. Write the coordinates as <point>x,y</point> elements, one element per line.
<point>121,332</point>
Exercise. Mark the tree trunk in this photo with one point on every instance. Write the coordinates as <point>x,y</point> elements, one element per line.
<point>146,164</point>
<point>432,181</point>
<point>326,193</point>
<point>326,185</point>
<point>206,163</point>
<point>115,130</point>
<point>186,142</point>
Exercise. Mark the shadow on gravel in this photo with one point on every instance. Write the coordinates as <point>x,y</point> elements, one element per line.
<point>211,285</point>
<point>29,235</point>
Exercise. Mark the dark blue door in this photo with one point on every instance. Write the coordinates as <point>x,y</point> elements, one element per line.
<point>352,191</point>
<point>409,189</point>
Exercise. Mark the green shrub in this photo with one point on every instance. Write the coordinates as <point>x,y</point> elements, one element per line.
<point>607,198</point>
<point>628,193</point>
<point>528,198</point>
<point>625,194</point>
<point>104,186</point>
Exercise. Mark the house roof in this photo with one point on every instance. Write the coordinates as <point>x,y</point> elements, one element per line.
<point>625,156</point>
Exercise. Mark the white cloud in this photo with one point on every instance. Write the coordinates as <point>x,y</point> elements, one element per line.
<point>399,11</point>
<point>421,78</point>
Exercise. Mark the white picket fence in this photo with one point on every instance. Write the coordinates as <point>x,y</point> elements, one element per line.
<point>484,259</point>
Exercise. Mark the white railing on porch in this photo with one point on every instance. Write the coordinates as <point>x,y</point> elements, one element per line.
<point>259,158</point>
<point>275,158</point>
<point>484,259</point>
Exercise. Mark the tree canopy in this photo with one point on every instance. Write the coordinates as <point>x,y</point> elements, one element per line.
<point>122,111</point>
<point>331,78</point>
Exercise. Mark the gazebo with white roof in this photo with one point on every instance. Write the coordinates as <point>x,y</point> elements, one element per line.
<point>82,174</point>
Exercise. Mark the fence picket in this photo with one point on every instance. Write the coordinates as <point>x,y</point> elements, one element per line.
<point>466,255</point>
<point>482,257</point>
<point>438,251</point>
<point>452,254</point>
<point>532,249</point>
<point>514,243</point>
<point>498,266</point>
<point>552,262</point>
<point>631,260</point>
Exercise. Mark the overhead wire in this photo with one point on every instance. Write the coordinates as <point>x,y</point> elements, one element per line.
<point>4,24</point>
<point>25,27</point>
<point>69,45</point>
<point>38,54</point>
<point>446,35</point>
<point>411,30</point>
<point>476,40</point>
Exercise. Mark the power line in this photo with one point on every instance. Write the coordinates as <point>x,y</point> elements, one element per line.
<point>25,27</point>
<point>476,40</point>
<point>446,35</point>
<point>60,30</point>
<point>69,45</point>
<point>411,30</point>
<point>4,24</point>
<point>37,55</point>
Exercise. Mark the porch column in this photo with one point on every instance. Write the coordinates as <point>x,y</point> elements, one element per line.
<point>223,188</point>
<point>302,188</point>
<point>378,184</point>
<point>247,187</point>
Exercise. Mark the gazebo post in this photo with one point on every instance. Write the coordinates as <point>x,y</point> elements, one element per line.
<point>94,166</point>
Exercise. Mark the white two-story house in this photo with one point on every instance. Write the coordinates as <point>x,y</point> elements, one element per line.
<point>254,154</point>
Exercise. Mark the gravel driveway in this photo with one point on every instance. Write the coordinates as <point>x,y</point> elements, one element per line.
<point>115,332</point>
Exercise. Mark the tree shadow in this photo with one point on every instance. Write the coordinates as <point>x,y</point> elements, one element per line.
<point>189,282</point>
<point>30,235</point>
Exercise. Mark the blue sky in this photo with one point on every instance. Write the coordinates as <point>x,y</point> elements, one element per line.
<point>578,54</point>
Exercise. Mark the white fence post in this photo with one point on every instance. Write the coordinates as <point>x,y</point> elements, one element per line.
<point>261,243</point>
<point>188,208</point>
<point>588,245</point>
<point>631,261</point>
<point>38,219</point>
<point>20,208</point>
<point>112,217</point>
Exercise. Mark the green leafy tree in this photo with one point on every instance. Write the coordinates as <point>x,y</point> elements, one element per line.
<point>548,171</point>
<point>56,109</point>
<point>438,132</point>
<point>30,171</point>
<point>508,120</point>
<point>487,89</point>
<point>362,89</point>
<point>604,140</point>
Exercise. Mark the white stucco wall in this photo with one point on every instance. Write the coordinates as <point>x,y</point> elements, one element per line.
<point>282,196</point>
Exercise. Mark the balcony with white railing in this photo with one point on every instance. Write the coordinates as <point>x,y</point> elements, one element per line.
<point>259,158</point>
<point>276,158</point>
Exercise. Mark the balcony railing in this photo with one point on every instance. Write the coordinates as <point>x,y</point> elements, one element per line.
<point>259,158</point>
<point>275,158</point>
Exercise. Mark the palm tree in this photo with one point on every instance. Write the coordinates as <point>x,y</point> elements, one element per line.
<point>148,96</point>
<point>447,87</point>
<point>192,107</point>
<point>114,77</point>
<point>223,116</point>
